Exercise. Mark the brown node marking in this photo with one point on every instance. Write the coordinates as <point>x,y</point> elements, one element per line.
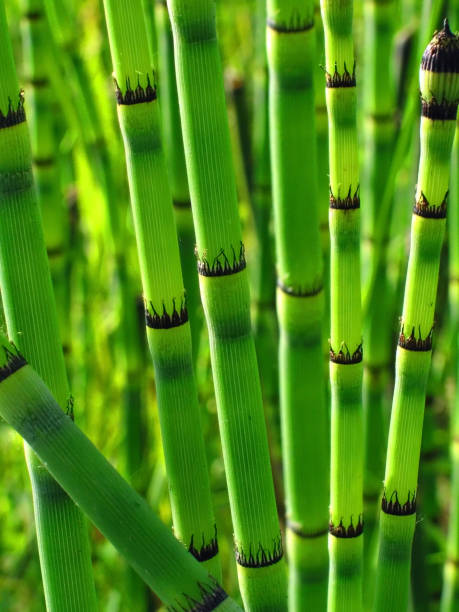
<point>14,361</point>
<point>442,53</point>
<point>221,265</point>
<point>154,320</point>
<point>299,291</point>
<point>43,162</point>
<point>33,15</point>
<point>263,557</point>
<point>346,79</point>
<point>297,530</point>
<point>211,598</point>
<point>138,95</point>
<point>345,357</point>
<point>422,208</point>
<point>443,111</point>
<point>411,343</point>
<point>350,202</point>
<point>340,531</point>
<point>394,507</point>
<point>207,551</point>
<point>295,25</point>
<point>13,116</point>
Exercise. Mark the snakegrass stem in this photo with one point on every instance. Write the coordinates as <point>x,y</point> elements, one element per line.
<point>225,297</point>
<point>379,118</point>
<point>439,84</point>
<point>346,506</point>
<point>31,318</point>
<point>175,155</point>
<point>168,328</point>
<point>291,42</point>
<point>161,561</point>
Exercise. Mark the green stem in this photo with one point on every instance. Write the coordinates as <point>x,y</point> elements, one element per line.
<point>31,317</point>
<point>168,328</point>
<point>226,301</point>
<point>162,562</point>
<point>291,41</point>
<point>439,79</point>
<point>346,507</point>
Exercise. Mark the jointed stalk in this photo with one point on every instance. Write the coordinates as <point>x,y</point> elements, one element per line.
<point>225,296</point>
<point>439,80</point>
<point>115,508</point>
<point>300,297</point>
<point>379,107</point>
<point>168,329</point>
<point>31,319</point>
<point>173,146</point>
<point>346,506</point>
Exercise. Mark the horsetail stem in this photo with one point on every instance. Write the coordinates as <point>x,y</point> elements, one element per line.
<point>346,507</point>
<point>28,406</point>
<point>41,115</point>
<point>379,110</point>
<point>168,329</point>
<point>439,83</point>
<point>225,296</point>
<point>450,592</point>
<point>173,146</point>
<point>291,44</point>
<point>31,318</point>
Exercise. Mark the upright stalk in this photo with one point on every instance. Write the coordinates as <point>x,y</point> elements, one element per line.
<point>450,594</point>
<point>346,502</point>
<point>226,300</point>
<point>31,318</point>
<point>439,80</point>
<point>168,328</point>
<point>291,44</point>
<point>161,561</point>
<point>173,146</point>
<point>379,109</point>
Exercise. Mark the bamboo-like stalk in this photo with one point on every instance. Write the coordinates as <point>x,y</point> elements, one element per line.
<point>161,561</point>
<point>226,301</point>
<point>439,81</point>
<point>41,116</point>
<point>379,117</point>
<point>450,593</point>
<point>168,328</point>
<point>30,313</point>
<point>346,506</point>
<point>291,44</point>
<point>173,146</point>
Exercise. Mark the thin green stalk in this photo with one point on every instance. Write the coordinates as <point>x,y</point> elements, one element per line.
<point>168,328</point>
<point>173,146</point>
<point>41,104</point>
<point>379,110</point>
<point>439,80</point>
<point>115,508</point>
<point>226,301</point>
<point>291,41</point>
<point>450,594</point>
<point>346,505</point>
<point>30,313</point>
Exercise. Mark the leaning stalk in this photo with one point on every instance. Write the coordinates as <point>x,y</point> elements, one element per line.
<point>173,146</point>
<point>161,561</point>
<point>31,319</point>
<point>168,328</point>
<point>346,505</point>
<point>226,301</point>
<point>439,80</point>
<point>291,44</point>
